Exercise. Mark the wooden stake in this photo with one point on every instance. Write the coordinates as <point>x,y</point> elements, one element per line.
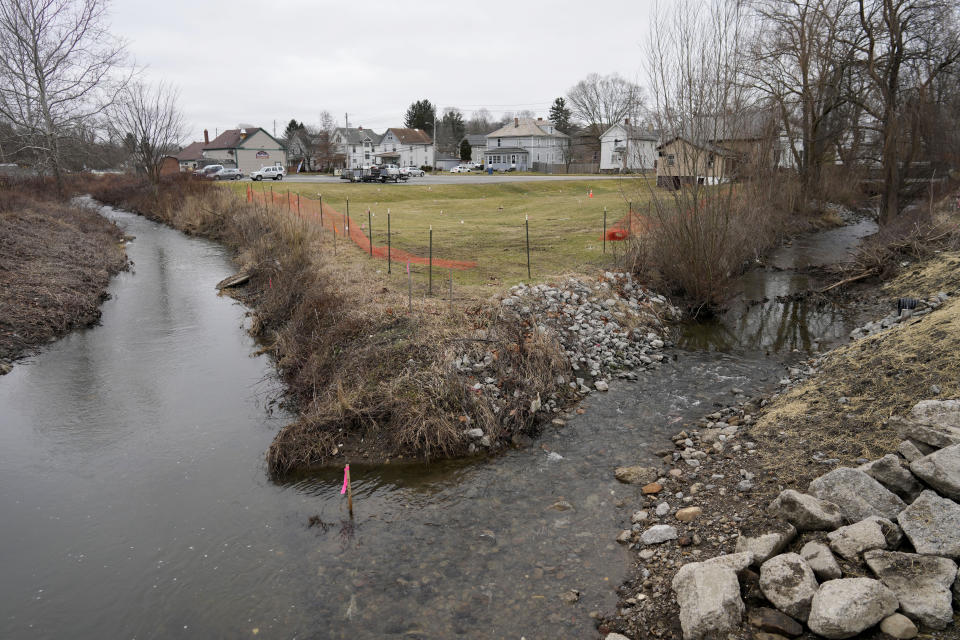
<point>604,229</point>
<point>370,230</point>
<point>321,213</point>
<point>345,218</point>
<point>409,289</point>
<point>430,287</point>
<point>389,257</point>
<point>349,492</point>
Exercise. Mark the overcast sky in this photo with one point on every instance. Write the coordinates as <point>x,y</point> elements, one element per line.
<point>256,61</point>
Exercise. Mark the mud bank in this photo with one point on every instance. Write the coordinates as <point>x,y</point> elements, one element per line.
<point>56,260</point>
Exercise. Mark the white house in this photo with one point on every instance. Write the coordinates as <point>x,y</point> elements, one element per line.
<point>357,145</point>
<point>405,147</point>
<point>246,149</point>
<point>627,147</point>
<point>525,142</point>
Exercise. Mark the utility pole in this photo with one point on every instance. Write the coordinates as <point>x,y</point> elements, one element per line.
<point>346,120</point>
<point>274,128</point>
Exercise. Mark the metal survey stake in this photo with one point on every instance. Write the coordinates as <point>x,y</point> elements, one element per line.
<point>526,223</point>
<point>320,196</point>
<point>409,289</point>
<point>370,230</point>
<point>430,287</point>
<point>345,218</point>
<point>604,229</point>
<point>389,257</point>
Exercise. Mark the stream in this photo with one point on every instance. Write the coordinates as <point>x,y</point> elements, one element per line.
<point>136,504</point>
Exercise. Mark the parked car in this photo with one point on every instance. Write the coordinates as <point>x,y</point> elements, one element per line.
<point>268,173</point>
<point>412,171</point>
<point>460,169</point>
<point>208,171</point>
<point>228,173</point>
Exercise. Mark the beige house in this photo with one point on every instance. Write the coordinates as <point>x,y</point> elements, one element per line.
<point>246,149</point>
<point>680,161</point>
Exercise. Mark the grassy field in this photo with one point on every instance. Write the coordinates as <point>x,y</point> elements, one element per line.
<point>484,223</point>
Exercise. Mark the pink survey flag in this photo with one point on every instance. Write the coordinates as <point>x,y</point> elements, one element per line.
<point>346,473</point>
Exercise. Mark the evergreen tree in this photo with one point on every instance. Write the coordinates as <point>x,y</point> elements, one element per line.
<point>420,115</point>
<point>293,127</point>
<point>465,150</point>
<point>560,115</point>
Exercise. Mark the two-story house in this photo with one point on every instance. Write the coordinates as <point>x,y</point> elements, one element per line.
<point>524,142</point>
<point>406,148</point>
<point>357,146</point>
<point>628,148</point>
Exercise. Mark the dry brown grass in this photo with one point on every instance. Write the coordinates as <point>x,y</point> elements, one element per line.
<point>881,376</point>
<point>368,379</point>
<point>56,260</point>
<point>701,238</point>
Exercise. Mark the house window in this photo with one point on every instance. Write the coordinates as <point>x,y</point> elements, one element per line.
<point>498,142</point>
<point>354,149</point>
<point>671,160</point>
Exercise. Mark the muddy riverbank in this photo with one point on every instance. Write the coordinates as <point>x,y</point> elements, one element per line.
<point>56,260</point>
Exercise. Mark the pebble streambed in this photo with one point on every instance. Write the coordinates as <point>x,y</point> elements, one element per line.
<point>136,504</point>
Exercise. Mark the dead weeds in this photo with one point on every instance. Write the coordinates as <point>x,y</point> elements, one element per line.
<point>56,260</point>
<point>368,379</point>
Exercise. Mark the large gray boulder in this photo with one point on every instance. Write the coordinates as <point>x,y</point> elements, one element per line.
<point>873,533</point>
<point>766,543</point>
<point>788,583</point>
<point>843,608</point>
<point>932,524</point>
<point>937,413</point>
<point>921,583</point>
<point>709,597</point>
<point>858,495</point>
<point>821,560</point>
<point>935,423</point>
<point>894,476</point>
<point>806,512</point>
<point>940,470</point>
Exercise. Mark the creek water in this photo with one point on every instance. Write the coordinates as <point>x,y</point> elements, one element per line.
<point>135,501</point>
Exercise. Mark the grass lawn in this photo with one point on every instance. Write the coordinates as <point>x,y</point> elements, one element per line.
<point>484,223</point>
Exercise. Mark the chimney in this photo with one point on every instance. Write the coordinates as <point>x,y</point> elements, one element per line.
<point>516,122</point>
<point>539,119</point>
<point>243,134</point>
<point>206,137</point>
<point>359,128</point>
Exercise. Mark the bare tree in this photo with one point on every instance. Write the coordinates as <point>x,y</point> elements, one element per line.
<point>600,101</point>
<point>58,67</point>
<point>480,122</point>
<point>803,52</point>
<point>906,46</point>
<point>705,226</point>
<point>153,120</point>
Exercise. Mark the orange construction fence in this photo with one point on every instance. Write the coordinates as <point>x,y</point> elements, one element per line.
<point>341,224</point>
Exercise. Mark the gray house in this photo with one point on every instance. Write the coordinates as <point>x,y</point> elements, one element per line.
<point>478,144</point>
<point>525,142</point>
<point>357,145</point>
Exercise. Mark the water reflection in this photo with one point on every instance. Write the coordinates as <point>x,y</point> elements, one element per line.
<point>767,316</point>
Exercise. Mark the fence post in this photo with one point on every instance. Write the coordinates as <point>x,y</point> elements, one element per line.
<point>389,256</point>
<point>430,285</point>
<point>370,230</point>
<point>526,223</point>
<point>604,229</point>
